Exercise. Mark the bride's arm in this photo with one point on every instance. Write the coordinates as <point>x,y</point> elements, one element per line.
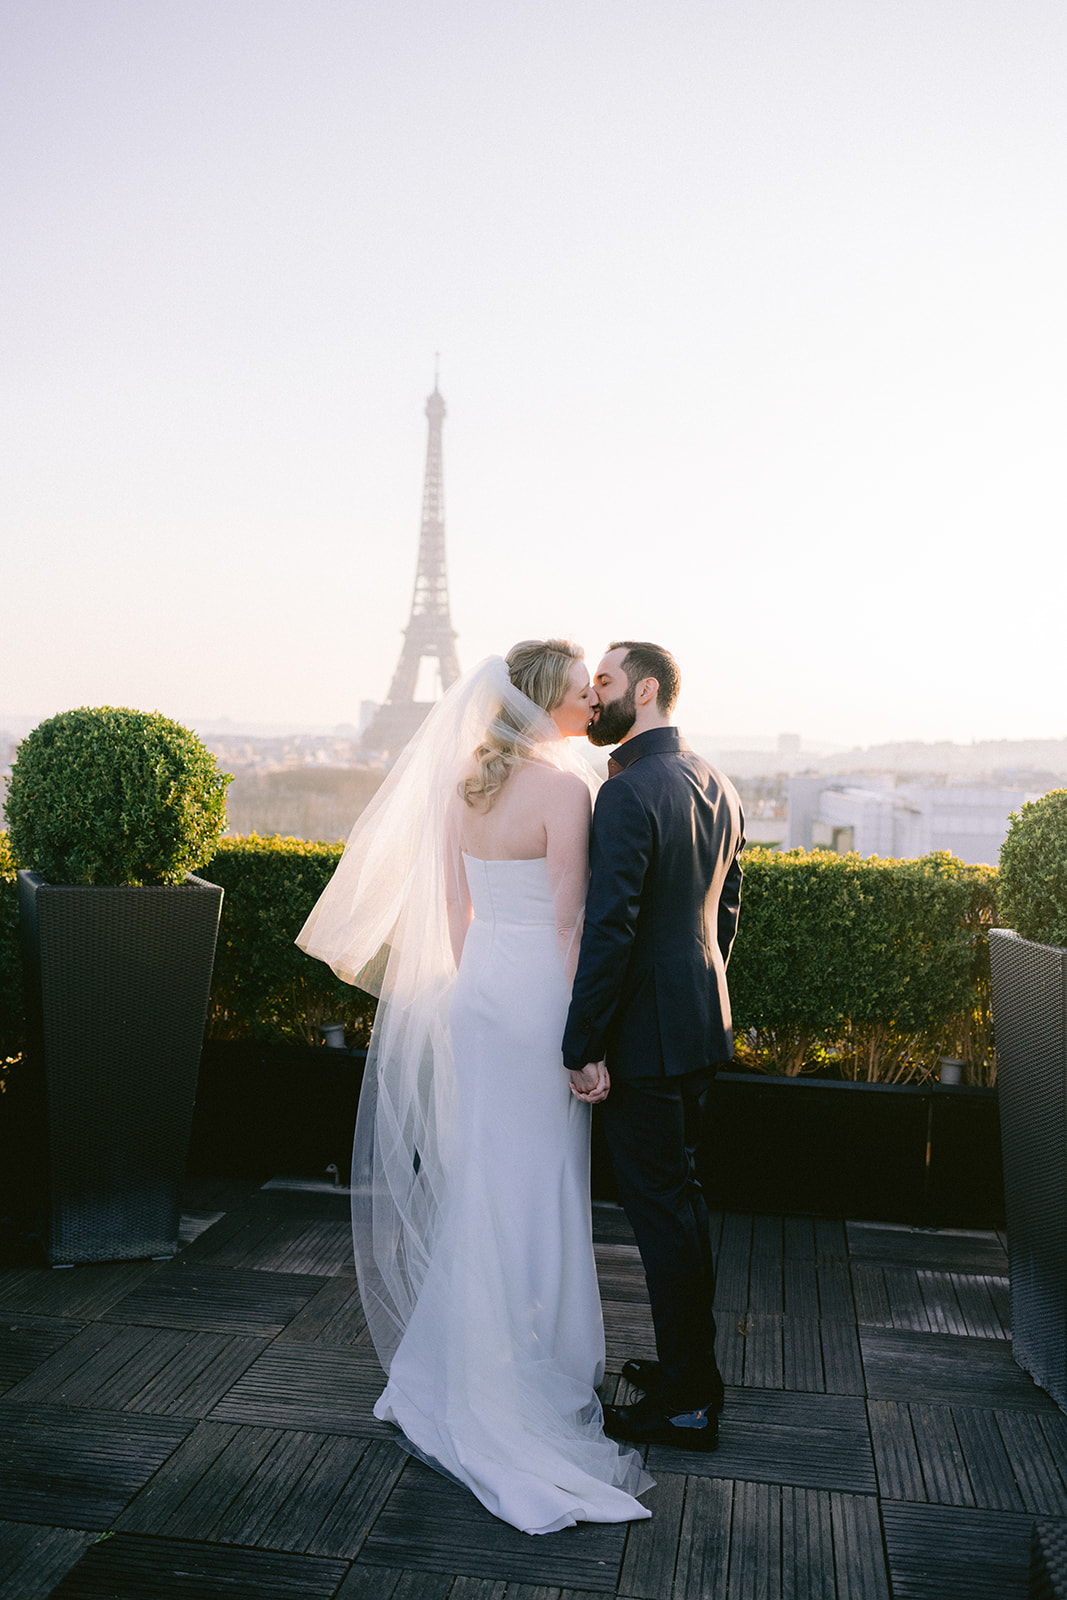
<point>567,828</point>
<point>457,892</point>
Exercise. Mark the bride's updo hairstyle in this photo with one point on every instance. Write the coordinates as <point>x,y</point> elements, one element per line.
<point>541,670</point>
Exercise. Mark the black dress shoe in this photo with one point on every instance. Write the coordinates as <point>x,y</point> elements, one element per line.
<point>647,1376</point>
<point>648,1423</point>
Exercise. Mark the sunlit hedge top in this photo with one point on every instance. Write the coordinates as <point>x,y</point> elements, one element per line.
<point>1032,882</point>
<point>112,796</point>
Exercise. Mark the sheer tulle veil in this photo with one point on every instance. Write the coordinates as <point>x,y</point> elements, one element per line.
<point>382,924</point>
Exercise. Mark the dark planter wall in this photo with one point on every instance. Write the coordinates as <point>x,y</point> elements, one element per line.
<point>267,1110</point>
<point>775,1144</point>
<point>924,1155</point>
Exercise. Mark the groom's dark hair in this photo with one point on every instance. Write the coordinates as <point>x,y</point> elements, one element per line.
<point>644,660</point>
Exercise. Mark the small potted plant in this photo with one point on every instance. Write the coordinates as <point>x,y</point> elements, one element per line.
<point>1028,958</point>
<point>109,813</point>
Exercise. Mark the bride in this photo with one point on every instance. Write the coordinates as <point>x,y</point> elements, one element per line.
<point>459,902</point>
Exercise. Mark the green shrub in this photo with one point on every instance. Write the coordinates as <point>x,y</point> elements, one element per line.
<point>1032,883</point>
<point>872,967</point>
<point>264,987</point>
<point>112,796</point>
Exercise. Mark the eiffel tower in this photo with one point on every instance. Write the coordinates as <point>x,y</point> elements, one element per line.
<point>429,633</point>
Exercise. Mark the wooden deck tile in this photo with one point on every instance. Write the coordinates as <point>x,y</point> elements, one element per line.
<point>732,1269</point>
<point>610,1225</point>
<point>988,1464</point>
<point>27,1342</point>
<point>907,1308</point>
<point>431,1524</point>
<point>704,1543</point>
<point>859,1560</point>
<point>1039,1482</point>
<point>802,1358</point>
<point>74,1294</point>
<point>768,1436</point>
<point>869,1295</point>
<point>34,1558</point>
<point>941,1456</point>
<point>333,1315</point>
<point>807,1546</point>
<point>217,1300</point>
<point>765,1287</point>
<point>309,1386</point>
<point>389,1583</point>
<point>652,1546</point>
<point>293,1244</point>
<point>939,1367</point>
<point>755,1537</point>
<point>841,1357</point>
<point>800,1287</point>
<point>130,1567</point>
<point>983,1305</point>
<point>620,1273</point>
<point>763,1351</point>
<point>948,1553</point>
<point>946,1249</point>
<point>835,1289</point>
<point>896,1454</point>
<point>628,1331</point>
<point>77,1469</point>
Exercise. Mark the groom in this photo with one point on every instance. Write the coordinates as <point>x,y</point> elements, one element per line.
<point>650,996</point>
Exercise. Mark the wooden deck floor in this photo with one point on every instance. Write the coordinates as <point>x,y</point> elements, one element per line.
<point>203,1428</point>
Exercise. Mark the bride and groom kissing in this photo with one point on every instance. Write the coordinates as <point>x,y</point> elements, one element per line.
<point>539,944</point>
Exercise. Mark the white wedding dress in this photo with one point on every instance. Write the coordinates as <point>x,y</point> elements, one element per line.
<point>493,1380</point>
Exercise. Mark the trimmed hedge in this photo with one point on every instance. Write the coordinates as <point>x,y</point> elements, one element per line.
<point>866,967</point>
<point>11,1013</point>
<point>263,986</point>
<point>856,967</point>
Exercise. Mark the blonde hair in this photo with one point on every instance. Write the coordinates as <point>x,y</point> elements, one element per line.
<point>541,670</point>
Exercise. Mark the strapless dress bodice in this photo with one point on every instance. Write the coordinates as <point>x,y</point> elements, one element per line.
<point>510,891</point>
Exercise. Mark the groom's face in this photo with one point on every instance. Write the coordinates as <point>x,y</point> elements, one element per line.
<point>618,703</point>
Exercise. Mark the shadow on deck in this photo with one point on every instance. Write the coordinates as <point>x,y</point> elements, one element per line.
<point>203,1427</point>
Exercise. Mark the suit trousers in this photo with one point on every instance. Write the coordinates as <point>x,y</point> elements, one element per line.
<point>653,1128</point>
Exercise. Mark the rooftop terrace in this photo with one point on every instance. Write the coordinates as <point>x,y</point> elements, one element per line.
<point>211,1418</point>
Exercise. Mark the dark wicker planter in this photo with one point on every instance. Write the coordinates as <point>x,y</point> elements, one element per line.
<point>117,983</point>
<point>1030,1016</point>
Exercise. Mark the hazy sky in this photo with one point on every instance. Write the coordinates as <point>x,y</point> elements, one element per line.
<point>753,336</point>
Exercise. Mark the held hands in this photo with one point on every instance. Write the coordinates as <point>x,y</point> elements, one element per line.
<point>591,1083</point>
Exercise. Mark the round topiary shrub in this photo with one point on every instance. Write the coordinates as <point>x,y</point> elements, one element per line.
<point>112,796</point>
<point>1032,881</point>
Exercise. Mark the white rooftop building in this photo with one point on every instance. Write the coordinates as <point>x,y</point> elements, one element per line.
<point>877,817</point>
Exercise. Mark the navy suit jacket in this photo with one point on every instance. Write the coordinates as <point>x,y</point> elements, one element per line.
<point>665,887</point>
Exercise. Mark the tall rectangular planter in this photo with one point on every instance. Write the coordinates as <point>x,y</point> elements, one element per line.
<point>1030,1016</point>
<point>117,983</point>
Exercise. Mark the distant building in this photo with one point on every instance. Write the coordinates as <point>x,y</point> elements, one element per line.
<point>877,817</point>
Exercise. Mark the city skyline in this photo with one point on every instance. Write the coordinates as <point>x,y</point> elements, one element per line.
<point>751,330</point>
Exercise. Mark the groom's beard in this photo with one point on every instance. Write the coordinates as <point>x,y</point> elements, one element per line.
<point>614,719</point>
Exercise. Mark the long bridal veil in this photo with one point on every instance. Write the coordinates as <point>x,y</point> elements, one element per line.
<point>382,924</point>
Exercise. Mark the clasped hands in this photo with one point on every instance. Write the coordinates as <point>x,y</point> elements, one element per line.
<point>591,1083</point>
